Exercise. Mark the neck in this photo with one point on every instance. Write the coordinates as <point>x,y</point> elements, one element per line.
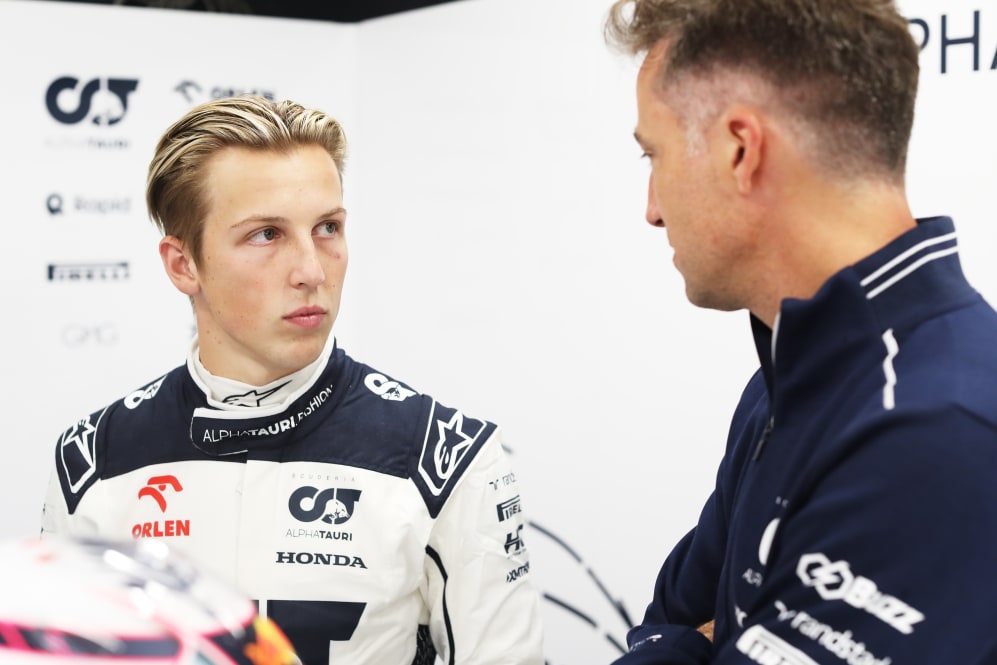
<point>822,230</point>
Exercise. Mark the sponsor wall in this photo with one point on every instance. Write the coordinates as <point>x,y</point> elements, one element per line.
<point>499,257</point>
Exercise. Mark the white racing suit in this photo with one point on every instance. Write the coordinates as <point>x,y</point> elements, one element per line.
<point>372,523</point>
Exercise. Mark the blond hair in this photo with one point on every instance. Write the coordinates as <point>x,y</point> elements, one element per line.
<point>175,188</point>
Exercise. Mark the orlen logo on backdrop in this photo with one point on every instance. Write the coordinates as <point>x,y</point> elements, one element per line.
<point>104,101</point>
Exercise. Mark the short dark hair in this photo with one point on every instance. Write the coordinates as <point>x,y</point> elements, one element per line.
<point>848,68</point>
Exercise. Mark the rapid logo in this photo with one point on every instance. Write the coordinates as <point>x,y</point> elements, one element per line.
<point>507,509</point>
<point>111,100</point>
<point>154,489</point>
<point>835,581</point>
<point>386,388</point>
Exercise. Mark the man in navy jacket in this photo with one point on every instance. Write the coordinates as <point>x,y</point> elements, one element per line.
<point>854,518</point>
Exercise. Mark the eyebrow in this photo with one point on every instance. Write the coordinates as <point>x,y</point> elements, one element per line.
<point>277,219</point>
<point>639,139</point>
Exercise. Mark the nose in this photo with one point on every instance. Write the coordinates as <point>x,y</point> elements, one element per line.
<point>307,269</point>
<point>652,214</point>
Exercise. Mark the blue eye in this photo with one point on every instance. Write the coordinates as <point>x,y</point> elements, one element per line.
<point>330,228</point>
<point>268,234</point>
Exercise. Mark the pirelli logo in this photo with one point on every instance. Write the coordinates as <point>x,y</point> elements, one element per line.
<point>764,647</point>
<point>507,509</point>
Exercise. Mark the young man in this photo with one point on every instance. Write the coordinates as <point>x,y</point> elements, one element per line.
<point>854,518</point>
<point>371,522</point>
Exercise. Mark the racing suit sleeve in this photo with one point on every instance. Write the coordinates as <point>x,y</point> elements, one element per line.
<point>483,608</point>
<point>685,592</point>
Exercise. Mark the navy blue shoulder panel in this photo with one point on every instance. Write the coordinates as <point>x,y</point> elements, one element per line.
<point>354,415</point>
<point>144,427</point>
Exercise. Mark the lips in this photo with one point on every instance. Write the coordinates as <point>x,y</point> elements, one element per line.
<point>306,317</point>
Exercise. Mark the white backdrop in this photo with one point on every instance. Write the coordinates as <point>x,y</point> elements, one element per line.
<point>498,255</point>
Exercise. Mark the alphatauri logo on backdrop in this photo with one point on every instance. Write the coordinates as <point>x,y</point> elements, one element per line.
<point>99,101</point>
<point>962,40</point>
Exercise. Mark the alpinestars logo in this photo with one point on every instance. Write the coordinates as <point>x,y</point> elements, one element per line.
<point>252,398</point>
<point>451,446</point>
<point>386,388</point>
<point>332,506</point>
<point>835,581</point>
<point>77,452</point>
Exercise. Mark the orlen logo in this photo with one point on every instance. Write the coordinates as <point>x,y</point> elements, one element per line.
<point>156,486</point>
<point>835,581</point>
<point>333,506</point>
<point>154,489</point>
<point>103,100</point>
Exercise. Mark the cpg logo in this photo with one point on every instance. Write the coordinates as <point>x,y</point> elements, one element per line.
<point>332,506</point>
<point>103,100</point>
<point>156,486</point>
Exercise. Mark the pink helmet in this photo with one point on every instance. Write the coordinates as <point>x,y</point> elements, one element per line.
<point>94,602</point>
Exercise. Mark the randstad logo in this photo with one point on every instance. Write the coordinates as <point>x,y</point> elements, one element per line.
<point>103,100</point>
<point>332,506</point>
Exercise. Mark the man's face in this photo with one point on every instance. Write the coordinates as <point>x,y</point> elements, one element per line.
<point>687,194</point>
<point>273,260</point>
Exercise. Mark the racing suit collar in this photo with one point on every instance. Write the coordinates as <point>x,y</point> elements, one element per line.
<point>231,395</point>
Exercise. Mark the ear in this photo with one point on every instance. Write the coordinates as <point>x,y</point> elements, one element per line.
<point>745,143</point>
<point>179,265</point>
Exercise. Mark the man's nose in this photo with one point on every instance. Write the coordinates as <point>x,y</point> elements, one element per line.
<point>652,215</point>
<point>307,270</point>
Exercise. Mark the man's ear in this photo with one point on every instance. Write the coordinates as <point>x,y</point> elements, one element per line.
<point>744,147</point>
<point>179,265</point>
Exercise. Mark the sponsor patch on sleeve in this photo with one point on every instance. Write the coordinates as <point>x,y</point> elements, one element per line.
<point>77,453</point>
<point>452,440</point>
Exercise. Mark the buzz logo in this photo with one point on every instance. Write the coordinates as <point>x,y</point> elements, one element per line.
<point>386,388</point>
<point>507,509</point>
<point>103,100</point>
<point>332,506</point>
<point>835,581</point>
